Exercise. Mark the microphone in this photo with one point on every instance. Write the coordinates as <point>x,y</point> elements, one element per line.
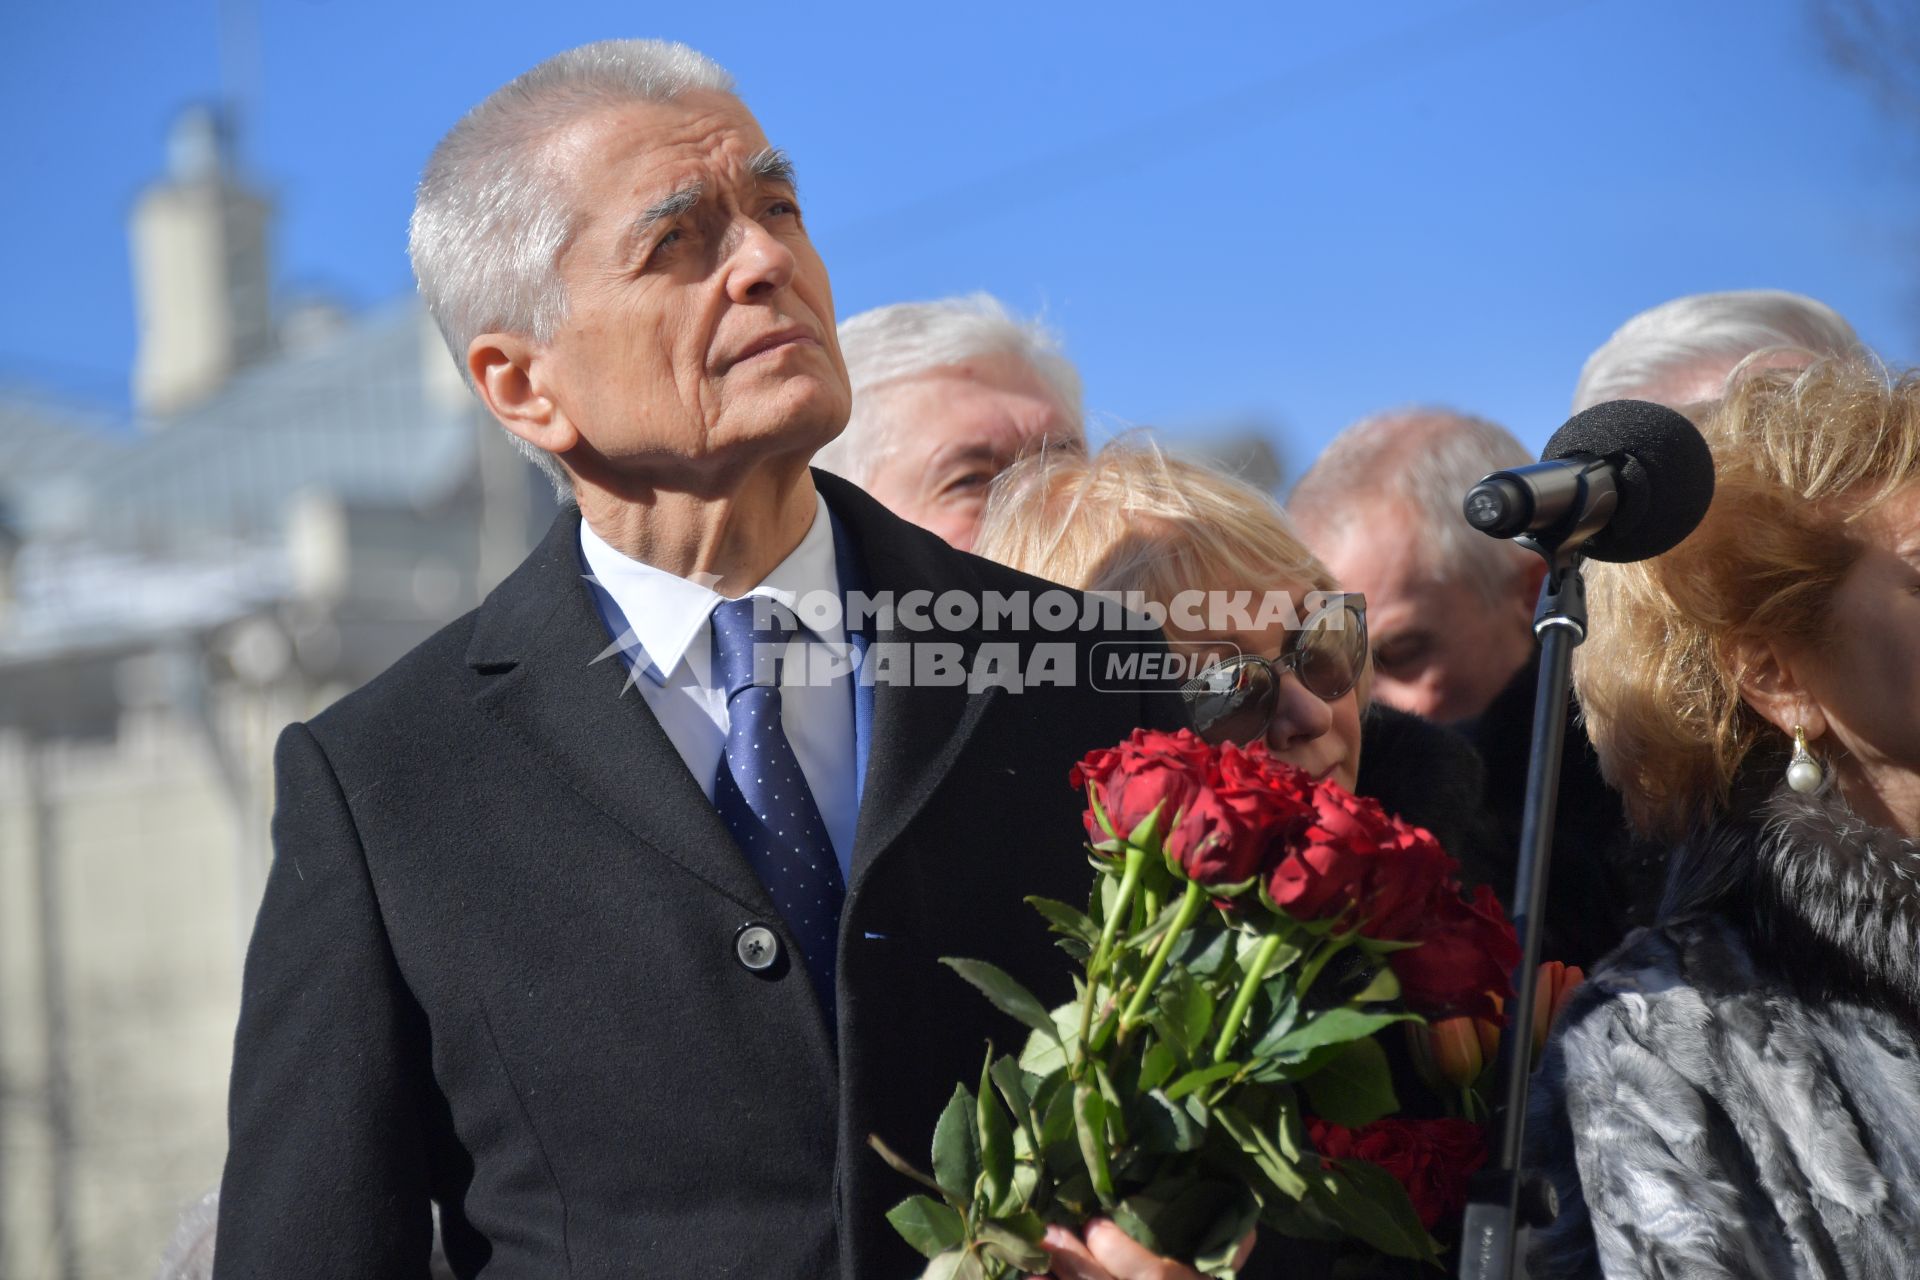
<point>1629,477</point>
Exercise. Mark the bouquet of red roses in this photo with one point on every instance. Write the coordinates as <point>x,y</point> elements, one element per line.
<point>1250,933</point>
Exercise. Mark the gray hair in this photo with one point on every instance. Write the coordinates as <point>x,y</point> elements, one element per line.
<point>492,214</point>
<point>1423,458</point>
<point>1703,336</point>
<point>891,344</point>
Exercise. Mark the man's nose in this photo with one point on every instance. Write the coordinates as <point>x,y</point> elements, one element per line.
<point>757,263</point>
<point>1298,716</point>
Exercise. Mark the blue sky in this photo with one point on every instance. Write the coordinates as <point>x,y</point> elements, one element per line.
<point>1285,213</point>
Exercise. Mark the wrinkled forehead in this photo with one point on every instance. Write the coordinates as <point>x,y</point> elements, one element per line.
<point>617,155</point>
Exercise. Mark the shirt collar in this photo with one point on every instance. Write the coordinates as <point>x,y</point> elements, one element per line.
<point>665,614</point>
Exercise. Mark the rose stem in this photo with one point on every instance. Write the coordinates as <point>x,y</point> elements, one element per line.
<point>1129,881</point>
<point>1243,998</point>
<point>1190,908</point>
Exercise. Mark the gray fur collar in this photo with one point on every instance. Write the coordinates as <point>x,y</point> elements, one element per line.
<point>1817,883</point>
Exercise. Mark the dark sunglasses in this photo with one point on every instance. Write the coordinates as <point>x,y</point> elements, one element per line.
<point>1234,700</point>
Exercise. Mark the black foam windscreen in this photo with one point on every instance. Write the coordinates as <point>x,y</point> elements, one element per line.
<point>1666,474</point>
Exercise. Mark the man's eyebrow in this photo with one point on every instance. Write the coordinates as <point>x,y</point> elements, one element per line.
<point>771,164</point>
<point>664,210</point>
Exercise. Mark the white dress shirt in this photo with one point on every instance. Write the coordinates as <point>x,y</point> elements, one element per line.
<point>664,629</point>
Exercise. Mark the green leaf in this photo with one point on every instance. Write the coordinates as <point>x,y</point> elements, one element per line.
<point>1214,1252</point>
<point>956,1265</point>
<point>1013,1248</point>
<point>1247,947</point>
<point>1385,986</point>
<point>1165,1127</point>
<point>900,1165</point>
<point>1007,995</point>
<point>1335,1026</point>
<point>996,1142</point>
<point>1371,1205</point>
<point>1200,1079</point>
<point>1197,1014</point>
<point>1183,1011</point>
<point>928,1225</point>
<point>1013,1087</point>
<point>1276,1013</point>
<point>1026,1185</point>
<point>1030,1227</point>
<point>1090,1125</point>
<point>1354,1088</point>
<point>1262,1150</point>
<point>1204,952</point>
<point>1066,920</point>
<point>1135,1216</point>
<point>1056,1116</point>
<point>1157,1064</point>
<point>956,1148</point>
<point>1048,1052</point>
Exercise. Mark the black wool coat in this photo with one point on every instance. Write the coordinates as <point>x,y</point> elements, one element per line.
<point>495,965</point>
<point>1603,880</point>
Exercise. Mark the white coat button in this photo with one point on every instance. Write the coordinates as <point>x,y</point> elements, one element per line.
<point>757,947</point>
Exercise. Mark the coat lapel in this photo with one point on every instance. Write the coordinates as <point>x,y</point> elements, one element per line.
<point>917,733</point>
<point>558,689</point>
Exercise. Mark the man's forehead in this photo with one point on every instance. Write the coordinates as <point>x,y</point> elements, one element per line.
<point>653,145</point>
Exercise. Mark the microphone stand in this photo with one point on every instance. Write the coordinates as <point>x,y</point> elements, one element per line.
<point>1503,1198</point>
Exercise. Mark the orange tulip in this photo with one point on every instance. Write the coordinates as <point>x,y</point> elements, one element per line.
<point>1456,1051</point>
<point>1489,1036</point>
<point>1553,985</point>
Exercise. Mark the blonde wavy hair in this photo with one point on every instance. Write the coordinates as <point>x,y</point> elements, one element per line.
<point>1130,518</point>
<point>1800,457</point>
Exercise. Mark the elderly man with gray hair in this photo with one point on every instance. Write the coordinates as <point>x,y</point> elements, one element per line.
<point>1449,610</point>
<point>1451,621</point>
<point>1680,352</point>
<point>610,918</point>
<point>946,395</point>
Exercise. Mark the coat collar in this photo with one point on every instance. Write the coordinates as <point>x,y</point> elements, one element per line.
<point>561,689</point>
<point>1832,900</point>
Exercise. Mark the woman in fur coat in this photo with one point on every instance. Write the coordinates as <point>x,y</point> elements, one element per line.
<point>1736,1091</point>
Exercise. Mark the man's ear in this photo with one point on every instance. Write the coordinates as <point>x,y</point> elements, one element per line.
<point>1526,589</point>
<point>509,375</point>
<point>1769,686</point>
<point>1531,577</point>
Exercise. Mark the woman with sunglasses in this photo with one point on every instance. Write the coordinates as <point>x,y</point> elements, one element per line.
<point>1281,652</point>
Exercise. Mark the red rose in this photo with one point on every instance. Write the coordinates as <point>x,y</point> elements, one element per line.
<point>1465,958</point>
<point>1432,1159</point>
<point>1252,803</point>
<point>1409,868</point>
<point>1150,770</point>
<point>1353,855</point>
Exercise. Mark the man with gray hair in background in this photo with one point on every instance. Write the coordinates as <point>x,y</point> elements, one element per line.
<point>946,395</point>
<point>1680,353</point>
<point>1449,610</point>
<point>1450,616</point>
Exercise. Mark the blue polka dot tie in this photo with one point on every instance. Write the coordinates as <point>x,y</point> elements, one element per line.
<point>762,795</point>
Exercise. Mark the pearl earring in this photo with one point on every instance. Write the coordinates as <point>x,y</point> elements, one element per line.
<point>1804,773</point>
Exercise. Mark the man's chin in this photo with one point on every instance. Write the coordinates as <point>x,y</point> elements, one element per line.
<point>802,413</point>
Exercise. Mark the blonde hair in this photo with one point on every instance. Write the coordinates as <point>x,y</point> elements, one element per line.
<point>1800,456</point>
<point>1131,518</point>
